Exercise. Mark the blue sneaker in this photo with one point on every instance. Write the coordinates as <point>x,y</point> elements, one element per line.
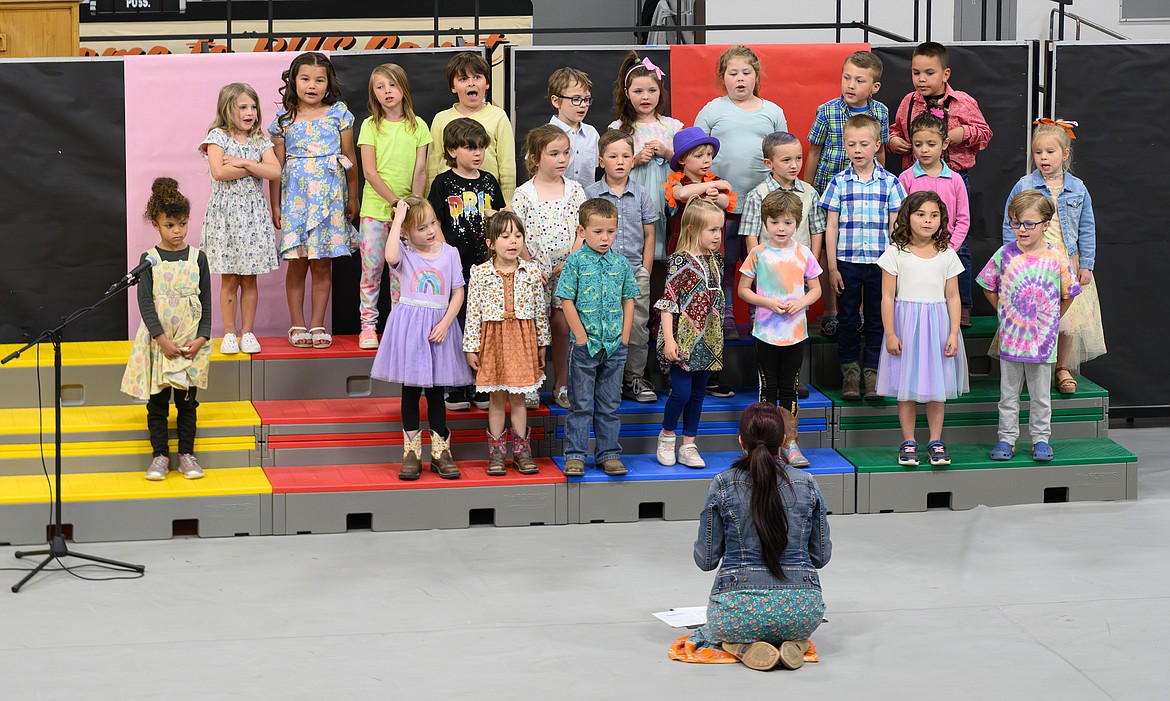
<point>1003,451</point>
<point>908,454</point>
<point>1042,452</point>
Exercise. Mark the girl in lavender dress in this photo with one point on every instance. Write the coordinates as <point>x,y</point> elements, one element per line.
<point>422,346</point>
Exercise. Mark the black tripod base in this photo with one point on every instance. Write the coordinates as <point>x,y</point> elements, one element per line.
<point>58,549</point>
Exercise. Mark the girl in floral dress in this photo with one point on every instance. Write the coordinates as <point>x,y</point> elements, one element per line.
<point>313,206</point>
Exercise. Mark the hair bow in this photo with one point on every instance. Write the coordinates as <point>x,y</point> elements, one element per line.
<point>648,65</point>
<point>938,112</point>
<point>1066,125</point>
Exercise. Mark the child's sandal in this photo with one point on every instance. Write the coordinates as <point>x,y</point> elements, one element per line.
<point>321,339</point>
<point>1067,385</point>
<point>299,337</point>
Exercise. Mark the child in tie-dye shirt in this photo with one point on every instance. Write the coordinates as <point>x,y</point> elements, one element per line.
<point>1031,285</point>
<point>785,275</point>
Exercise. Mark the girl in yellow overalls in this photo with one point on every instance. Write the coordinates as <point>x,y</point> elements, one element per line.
<point>170,354</point>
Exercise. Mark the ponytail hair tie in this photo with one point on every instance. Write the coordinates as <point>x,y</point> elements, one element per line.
<point>648,65</point>
<point>937,112</point>
<point>1066,125</point>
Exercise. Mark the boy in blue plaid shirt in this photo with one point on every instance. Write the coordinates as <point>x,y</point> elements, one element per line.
<point>862,202</point>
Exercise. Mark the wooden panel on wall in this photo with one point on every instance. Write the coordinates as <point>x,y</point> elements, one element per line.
<point>38,28</point>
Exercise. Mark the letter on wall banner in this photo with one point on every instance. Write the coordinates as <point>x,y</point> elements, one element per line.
<point>64,197</point>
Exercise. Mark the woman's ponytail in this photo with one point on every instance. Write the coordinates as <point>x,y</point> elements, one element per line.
<point>761,429</point>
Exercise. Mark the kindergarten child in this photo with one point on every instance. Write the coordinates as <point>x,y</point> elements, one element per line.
<point>694,151</point>
<point>421,347</point>
<point>783,157</point>
<point>393,143</point>
<point>690,344</point>
<point>862,203</point>
<point>507,335</point>
<point>463,198</point>
<point>1031,284</point>
<point>597,291</point>
<point>1074,231</point>
<point>930,172</point>
<point>468,77</point>
<point>923,358</point>
<point>570,92</point>
<point>635,241</point>
<point>237,227</point>
<point>781,268</point>
<point>967,131</point>
<point>739,119</point>
<point>170,350</point>
<point>639,101</point>
<point>548,204</point>
<point>311,204</point>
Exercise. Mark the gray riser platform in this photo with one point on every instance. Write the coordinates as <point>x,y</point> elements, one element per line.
<point>420,509</point>
<point>713,443</point>
<point>140,519</point>
<point>908,491</point>
<point>128,462</point>
<point>681,500</point>
<point>321,378</point>
<point>962,434</point>
<point>98,385</point>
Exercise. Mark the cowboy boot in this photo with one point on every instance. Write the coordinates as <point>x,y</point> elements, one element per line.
<point>497,450</point>
<point>411,456</point>
<point>441,460</point>
<point>522,453</point>
<point>850,382</point>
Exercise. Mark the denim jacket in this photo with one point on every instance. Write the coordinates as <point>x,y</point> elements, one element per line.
<point>1077,224</point>
<point>728,538</point>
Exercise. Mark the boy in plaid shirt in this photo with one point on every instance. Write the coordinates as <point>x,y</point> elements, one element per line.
<point>862,202</point>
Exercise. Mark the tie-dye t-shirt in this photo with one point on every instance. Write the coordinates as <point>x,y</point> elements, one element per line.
<point>780,274</point>
<point>427,282</point>
<point>1030,287</point>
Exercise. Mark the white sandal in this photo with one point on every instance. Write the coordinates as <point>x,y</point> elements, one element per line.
<point>321,338</point>
<point>298,337</point>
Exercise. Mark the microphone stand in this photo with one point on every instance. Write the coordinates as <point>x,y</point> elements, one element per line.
<point>57,548</point>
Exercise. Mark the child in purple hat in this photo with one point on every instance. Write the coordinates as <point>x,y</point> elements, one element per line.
<point>694,151</point>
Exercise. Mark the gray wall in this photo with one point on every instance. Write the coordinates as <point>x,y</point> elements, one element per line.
<point>584,13</point>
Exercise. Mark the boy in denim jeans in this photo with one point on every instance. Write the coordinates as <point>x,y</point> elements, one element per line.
<point>597,291</point>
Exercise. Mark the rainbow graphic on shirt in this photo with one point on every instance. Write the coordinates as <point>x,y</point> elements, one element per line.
<point>427,281</point>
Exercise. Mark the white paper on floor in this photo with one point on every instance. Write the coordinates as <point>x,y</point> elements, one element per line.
<point>685,617</point>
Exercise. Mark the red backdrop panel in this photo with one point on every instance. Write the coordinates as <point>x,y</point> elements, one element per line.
<point>798,77</point>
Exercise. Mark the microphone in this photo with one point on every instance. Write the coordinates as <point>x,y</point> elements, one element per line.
<point>152,260</point>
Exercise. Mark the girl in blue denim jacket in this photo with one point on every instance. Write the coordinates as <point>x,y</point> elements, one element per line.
<point>764,527</point>
<point>1074,231</point>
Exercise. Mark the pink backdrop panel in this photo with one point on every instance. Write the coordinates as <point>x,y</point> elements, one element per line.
<point>170,101</point>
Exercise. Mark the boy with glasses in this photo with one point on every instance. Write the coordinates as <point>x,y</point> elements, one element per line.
<point>569,92</point>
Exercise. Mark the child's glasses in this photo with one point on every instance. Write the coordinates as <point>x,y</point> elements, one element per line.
<point>1025,225</point>
<point>577,100</point>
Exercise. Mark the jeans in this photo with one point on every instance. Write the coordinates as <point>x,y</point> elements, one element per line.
<point>779,368</point>
<point>1039,378</point>
<point>964,252</point>
<point>595,391</point>
<point>687,391</point>
<point>157,408</point>
<point>862,280</point>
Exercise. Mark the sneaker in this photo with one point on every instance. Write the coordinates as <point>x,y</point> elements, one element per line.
<point>532,400</point>
<point>189,466</point>
<point>794,457</point>
<point>688,455</point>
<point>715,388</point>
<point>937,452</point>
<point>665,450</point>
<point>563,397</point>
<point>249,344</point>
<point>229,345</point>
<point>614,467</point>
<point>908,454</point>
<point>159,467</point>
<point>368,338</point>
<point>480,400</point>
<point>640,390</point>
<point>829,325</point>
<point>457,400</point>
<point>574,468</point>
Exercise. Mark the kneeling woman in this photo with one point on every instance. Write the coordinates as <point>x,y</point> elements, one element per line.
<point>764,527</point>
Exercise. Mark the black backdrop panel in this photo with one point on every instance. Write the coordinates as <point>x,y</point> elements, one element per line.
<point>997,76</point>
<point>63,200</point>
<point>429,93</point>
<point>1106,89</point>
<point>531,68</point>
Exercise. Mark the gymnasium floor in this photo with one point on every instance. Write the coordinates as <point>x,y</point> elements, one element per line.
<point>1066,601</point>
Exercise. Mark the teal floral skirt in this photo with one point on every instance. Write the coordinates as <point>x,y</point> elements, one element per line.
<point>772,615</point>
